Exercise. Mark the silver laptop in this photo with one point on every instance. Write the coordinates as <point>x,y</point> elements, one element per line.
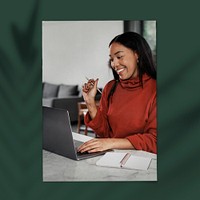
<point>57,135</point>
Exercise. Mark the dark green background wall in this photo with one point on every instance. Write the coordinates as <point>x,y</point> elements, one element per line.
<point>178,64</point>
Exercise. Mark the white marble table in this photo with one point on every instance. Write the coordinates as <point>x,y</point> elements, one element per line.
<point>59,168</point>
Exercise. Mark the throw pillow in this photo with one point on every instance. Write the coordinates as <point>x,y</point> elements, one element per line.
<point>67,90</point>
<point>50,90</point>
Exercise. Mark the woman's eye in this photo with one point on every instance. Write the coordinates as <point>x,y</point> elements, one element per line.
<point>119,57</point>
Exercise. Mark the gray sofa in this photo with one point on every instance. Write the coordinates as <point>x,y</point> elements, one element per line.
<point>62,96</point>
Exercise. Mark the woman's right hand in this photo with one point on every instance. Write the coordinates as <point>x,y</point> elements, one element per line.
<point>89,90</point>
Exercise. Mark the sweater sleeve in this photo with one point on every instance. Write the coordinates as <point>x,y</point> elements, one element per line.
<point>147,140</point>
<point>100,123</point>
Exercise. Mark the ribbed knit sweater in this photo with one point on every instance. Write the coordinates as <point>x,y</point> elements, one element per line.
<point>130,113</point>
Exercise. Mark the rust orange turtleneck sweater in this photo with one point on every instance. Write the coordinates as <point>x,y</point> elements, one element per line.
<point>130,114</point>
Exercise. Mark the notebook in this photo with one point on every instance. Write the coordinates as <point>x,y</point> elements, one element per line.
<point>58,135</point>
<point>124,160</point>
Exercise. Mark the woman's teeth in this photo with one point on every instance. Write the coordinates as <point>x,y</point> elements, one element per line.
<point>119,70</point>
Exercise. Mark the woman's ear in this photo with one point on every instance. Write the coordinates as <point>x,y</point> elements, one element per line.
<point>136,55</point>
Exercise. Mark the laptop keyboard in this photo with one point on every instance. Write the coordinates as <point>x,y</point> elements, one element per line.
<point>84,154</point>
<point>80,154</point>
<point>77,144</point>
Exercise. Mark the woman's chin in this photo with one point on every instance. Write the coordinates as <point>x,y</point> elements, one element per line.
<point>123,77</point>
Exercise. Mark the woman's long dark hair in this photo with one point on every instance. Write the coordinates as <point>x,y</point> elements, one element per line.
<point>138,44</point>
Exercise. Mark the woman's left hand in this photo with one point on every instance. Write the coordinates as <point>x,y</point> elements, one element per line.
<point>96,145</point>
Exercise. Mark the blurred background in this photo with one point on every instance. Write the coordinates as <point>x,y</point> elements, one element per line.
<point>72,50</point>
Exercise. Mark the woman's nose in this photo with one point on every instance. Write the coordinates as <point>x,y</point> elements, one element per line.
<point>115,63</point>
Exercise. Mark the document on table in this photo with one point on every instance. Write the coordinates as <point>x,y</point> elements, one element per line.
<point>124,160</point>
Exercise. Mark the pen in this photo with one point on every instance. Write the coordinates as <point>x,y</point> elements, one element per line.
<point>124,160</point>
<point>93,85</point>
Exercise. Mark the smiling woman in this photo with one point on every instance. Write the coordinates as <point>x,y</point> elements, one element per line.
<point>126,117</point>
<point>123,61</point>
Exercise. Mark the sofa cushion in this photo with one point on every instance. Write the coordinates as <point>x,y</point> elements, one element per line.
<point>47,102</point>
<point>67,90</point>
<point>50,90</point>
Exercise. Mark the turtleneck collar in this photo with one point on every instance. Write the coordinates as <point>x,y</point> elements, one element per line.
<point>134,83</point>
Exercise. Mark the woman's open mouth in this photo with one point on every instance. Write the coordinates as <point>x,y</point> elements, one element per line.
<point>120,70</point>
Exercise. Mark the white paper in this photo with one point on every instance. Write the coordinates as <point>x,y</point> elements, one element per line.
<point>137,162</point>
<point>113,159</point>
<point>144,154</point>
